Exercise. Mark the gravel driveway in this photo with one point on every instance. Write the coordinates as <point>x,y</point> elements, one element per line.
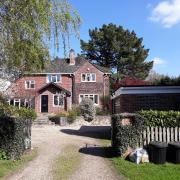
<point>51,140</point>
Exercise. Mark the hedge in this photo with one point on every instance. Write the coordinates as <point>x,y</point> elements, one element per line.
<point>124,136</point>
<point>15,130</point>
<point>161,118</point>
<point>15,135</point>
<point>7,110</point>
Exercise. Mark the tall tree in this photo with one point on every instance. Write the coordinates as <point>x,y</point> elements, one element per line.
<point>27,28</point>
<point>114,47</point>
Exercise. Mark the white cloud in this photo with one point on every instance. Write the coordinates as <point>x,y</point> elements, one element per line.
<point>167,13</point>
<point>159,61</point>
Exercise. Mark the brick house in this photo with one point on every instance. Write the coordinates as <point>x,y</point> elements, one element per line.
<point>62,84</point>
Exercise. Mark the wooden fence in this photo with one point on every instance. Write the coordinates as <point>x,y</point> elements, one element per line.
<point>159,134</point>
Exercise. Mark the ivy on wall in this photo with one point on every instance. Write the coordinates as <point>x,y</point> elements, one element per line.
<point>124,136</point>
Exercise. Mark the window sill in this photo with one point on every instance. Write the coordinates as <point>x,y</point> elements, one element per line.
<point>58,106</point>
<point>88,81</point>
<point>54,82</point>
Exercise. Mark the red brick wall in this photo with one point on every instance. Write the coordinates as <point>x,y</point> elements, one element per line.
<point>136,102</point>
<point>51,108</point>
<point>40,81</point>
<point>100,87</point>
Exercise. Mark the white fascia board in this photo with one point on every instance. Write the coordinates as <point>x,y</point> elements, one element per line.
<point>45,73</point>
<point>147,90</point>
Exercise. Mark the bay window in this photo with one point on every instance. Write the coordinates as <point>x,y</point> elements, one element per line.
<point>93,97</point>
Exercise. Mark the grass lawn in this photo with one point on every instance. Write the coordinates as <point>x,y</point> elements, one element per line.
<point>146,171</point>
<point>66,163</point>
<point>8,166</point>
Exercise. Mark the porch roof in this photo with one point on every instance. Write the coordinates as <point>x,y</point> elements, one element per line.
<point>56,86</point>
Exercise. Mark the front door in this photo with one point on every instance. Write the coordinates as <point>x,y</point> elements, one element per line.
<point>44,103</point>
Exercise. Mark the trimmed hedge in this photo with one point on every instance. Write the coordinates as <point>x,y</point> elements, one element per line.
<point>161,118</point>
<point>124,136</point>
<point>15,135</point>
<point>15,130</point>
<point>9,111</point>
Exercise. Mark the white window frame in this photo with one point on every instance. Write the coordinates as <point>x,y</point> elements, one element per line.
<point>8,101</point>
<point>30,84</point>
<point>54,75</point>
<point>89,97</point>
<point>58,101</point>
<point>17,101</point>
<point>86,74</point>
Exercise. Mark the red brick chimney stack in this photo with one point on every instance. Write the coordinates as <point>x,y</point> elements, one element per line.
<point>72,57</point>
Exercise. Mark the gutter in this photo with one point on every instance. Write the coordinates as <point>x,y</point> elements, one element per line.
<point>46,73</point>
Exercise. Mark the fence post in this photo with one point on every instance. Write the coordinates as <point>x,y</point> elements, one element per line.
<point>168,134</point>
<point>160,134</point>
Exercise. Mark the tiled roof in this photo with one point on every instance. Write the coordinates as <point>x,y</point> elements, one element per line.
<point>62,66</point>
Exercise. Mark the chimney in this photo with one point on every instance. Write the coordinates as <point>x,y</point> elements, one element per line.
<point>72,57</point>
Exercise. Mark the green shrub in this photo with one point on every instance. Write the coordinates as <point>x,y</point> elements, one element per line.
<point>161,118</point>
<point>7,110</point>
<point>73,113</point>
<point>15,130</point>
<point>3,155</point>
<point>62,114</point>
<point>106,102</point>
<point>53,118</point>
<point>72,116</point>
<point>100,112</point>
<point>15,136</point>
<point>87,109</point>
<point>77,109</point>
<point>124,136</point>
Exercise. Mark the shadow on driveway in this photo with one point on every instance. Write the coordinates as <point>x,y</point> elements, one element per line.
<point>98,132</point>
<point>105,152</point>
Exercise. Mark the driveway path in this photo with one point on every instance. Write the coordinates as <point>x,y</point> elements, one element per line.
<point>52,140</point>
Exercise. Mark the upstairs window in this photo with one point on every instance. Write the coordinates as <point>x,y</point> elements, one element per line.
<point>88,77</point>
<point>30,84</point>
<point>55,78</point>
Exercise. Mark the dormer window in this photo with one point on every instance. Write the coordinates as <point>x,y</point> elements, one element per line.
<point>55,78</point>
<point>30,84</point>
<point>88,77</point>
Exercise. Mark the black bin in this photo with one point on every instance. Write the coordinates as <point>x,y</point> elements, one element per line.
<point>158,152</point>
<point>174,152</point>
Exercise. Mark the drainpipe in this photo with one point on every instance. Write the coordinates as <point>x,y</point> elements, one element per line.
<point>73,89</point>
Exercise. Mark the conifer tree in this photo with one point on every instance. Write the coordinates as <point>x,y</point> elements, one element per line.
<point>116,48</point>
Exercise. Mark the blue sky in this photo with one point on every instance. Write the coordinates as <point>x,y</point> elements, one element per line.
<point>158,22</point>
